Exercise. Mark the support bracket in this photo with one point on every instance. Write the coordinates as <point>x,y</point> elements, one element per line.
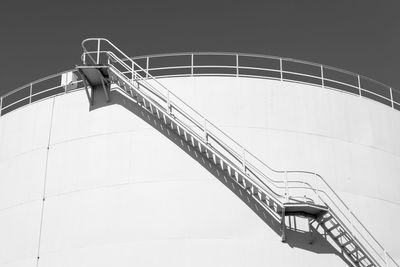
<point>95,77</point>
<point>283,225</point>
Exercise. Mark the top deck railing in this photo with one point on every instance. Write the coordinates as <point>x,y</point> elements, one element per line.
<point>50,86</point>
<point>218,64</point>
<point>269,67</point>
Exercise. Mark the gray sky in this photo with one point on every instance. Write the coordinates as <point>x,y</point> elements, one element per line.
<point>39,38</point>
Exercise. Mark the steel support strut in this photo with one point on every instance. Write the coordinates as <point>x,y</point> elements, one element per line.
<point>283,225</point>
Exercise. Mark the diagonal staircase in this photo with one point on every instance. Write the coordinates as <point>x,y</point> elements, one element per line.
<point>281,193</point>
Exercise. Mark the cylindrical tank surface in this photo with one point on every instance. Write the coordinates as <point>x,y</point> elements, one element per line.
<point>103,187</point>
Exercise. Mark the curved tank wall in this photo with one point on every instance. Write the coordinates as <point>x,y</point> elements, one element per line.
<point>102,187</point>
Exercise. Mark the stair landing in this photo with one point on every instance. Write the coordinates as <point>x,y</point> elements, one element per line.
<point>305,209</point>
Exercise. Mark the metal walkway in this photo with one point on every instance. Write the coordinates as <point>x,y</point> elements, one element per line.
<point>281,193</point>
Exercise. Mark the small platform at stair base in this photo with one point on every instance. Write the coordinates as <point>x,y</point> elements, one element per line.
<point>305,209</point>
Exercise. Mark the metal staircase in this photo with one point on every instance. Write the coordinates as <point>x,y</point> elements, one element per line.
<point>281,193</point>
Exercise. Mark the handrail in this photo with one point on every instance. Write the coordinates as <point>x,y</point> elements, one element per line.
<point>387,99</point>
<point>37,81</point>
<point>254,55</point>
<point>132,72</point>
<point>36,91</point>
<point>357,85</point>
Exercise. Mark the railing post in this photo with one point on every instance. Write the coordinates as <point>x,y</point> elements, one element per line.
<point>316,187</point>
<point>286,188</point>
<point>391,96</point>
<point>84,58</point>
<point>386,258</point>
<point>359,84</point>
<point>133,72</point>
<point>280,68</point>
<point>205,130</point>
<point>98,51</point>
<point>65,86</point>
<point>168,103</point>
<point>30,92</point>
<point>322,77</point>
<point>191,64</point>
<point>351,225</point>
<point>237,65</point>
<point>244,159</point>
<point>147,67</point>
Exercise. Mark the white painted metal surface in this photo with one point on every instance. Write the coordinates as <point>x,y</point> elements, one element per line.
<point>120,193</point>
<point>79,159</point>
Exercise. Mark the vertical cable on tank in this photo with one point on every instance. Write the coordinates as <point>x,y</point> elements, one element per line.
<point>44,183</point>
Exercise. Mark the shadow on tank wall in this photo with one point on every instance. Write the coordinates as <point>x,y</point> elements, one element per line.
<point>297,235</point>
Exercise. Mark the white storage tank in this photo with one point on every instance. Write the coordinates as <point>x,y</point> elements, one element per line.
<point>103,185</point>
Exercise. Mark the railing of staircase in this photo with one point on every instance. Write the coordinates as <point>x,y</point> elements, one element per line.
<point>293,186</point>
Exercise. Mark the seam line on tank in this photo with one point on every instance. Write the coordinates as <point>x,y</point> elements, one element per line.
<point>97,135</point>
<point>242,127</point>
<point>126,184</point>
<point>101,187</point>
<point>44,183</point>
<point>313,134</point>
<point>22,154</point>
<point>370,197</point>
<point>19,204</point>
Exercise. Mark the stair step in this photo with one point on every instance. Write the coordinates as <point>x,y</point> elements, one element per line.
<point>224,166</point>
<point>354,250</point>
<point>147,104</point>
<point>181,132</point>
<point>167,121</point>
<point>171,124</point>
<point>151,108</point>
<point>232,172</point>
<point>347,242</point>
<point>247,184</point>
<point>326,219</point>
<point>340,235</point>
<point>210,154</point>
<point>154,109</point>
<point>333,227</point>
<point>178,130</point>
<point>240,179</point>
<point>194,142</point>
<point>202,148</point>
<point>255,191</point>
<point>140,99</point>
<point>217,160</point>
<point>188,137</point>
<point>362,258</point>
<point>158,114</point>
<point>263,197</point>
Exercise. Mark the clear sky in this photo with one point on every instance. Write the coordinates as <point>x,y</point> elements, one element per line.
<point>39,38</point>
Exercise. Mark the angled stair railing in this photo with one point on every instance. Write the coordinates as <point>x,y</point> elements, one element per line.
<point>282,193</point>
